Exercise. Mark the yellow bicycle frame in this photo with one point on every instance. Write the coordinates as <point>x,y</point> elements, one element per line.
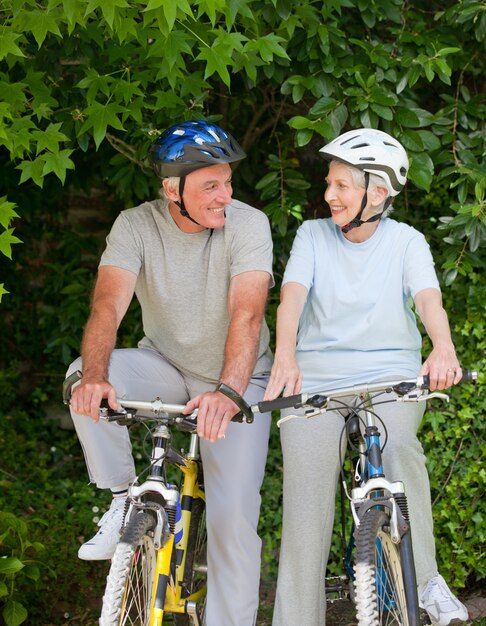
<point>167,589</point>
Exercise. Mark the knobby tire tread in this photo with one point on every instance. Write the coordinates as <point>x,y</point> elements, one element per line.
<point>374,524</point>
<point>133,536</point>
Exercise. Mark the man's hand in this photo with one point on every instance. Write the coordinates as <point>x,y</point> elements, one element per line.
<point>86,398</point>
<point>214,414</point>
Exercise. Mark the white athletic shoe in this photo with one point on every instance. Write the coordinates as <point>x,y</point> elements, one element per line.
<point>102,545</point>
<point>440,603</point>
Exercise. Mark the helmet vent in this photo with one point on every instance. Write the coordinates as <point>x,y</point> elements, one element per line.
<point>360,145</point>
<point>367,158</point>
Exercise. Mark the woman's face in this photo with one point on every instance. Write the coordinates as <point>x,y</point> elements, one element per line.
<point>342,195</point>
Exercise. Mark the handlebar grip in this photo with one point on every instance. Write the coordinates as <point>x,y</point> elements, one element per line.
<point>468,376</point>
<point>288,402</point>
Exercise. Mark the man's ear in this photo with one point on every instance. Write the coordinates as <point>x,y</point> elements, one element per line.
<point>171,193</point>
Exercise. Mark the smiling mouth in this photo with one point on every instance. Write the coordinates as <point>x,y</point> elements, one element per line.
<point>216,210</point>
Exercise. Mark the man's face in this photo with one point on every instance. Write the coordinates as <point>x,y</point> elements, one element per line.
<point>206,192</point>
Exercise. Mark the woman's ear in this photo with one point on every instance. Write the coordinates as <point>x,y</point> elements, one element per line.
<point>170,192</point>
<point>378,195</point>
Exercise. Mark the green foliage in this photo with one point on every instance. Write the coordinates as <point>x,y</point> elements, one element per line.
<point>96,80</point>
<point>454,443</point>
<point>17,566</point>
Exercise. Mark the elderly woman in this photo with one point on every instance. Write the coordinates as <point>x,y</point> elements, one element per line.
<point>346,318</point>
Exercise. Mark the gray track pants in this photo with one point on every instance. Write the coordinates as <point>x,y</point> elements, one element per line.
<point>311,470</point>
<point>233,474</point>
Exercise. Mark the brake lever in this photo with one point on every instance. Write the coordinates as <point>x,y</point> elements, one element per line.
<point>306,415</point>
<point>423,397</point>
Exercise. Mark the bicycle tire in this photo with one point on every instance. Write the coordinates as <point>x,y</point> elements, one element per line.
<point>129,585</point>
<point>385,588</point>
<point>196,560</point>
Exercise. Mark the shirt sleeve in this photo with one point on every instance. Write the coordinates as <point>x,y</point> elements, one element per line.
<point>123,246</point>
<point>252,249</point>
<point>418,269</point>
<point>300,266</point>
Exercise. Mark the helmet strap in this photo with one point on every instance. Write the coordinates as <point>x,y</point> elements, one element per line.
<point>181,205</point>
<point>357,221</point>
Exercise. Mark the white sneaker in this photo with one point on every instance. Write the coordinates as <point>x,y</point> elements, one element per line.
<point>102,545</point>
<point>440,603</point>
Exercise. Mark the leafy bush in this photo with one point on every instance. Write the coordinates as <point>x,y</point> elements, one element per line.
<point>17,566</point>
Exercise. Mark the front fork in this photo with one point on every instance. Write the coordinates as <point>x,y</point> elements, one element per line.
<point>167,591</point>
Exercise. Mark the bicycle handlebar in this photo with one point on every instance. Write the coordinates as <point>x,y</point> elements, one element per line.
<point>173,412</point>
<point>401,387</point>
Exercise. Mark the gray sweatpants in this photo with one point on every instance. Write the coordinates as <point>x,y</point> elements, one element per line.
<point>233,474</point>
<point>311,470</point>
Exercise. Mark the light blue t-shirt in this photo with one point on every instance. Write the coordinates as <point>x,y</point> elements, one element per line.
<point>358,325</point>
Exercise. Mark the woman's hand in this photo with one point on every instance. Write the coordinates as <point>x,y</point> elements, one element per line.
<point>285,375</point>
<point>442,367</point>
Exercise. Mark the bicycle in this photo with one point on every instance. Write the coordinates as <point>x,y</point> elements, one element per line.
<point>380,573</point>
<point>159,565</point>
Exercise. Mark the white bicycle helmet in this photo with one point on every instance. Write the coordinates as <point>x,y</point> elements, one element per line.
<point>372,151</point>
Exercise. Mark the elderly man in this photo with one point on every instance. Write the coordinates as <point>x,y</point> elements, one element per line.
<point>200,264</point>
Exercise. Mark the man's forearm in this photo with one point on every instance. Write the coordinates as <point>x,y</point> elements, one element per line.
<point>241,351</point>
<point>98,343</point>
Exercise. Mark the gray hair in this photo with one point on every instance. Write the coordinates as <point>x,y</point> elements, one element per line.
<point>375,181</point>
<point>173,182</point>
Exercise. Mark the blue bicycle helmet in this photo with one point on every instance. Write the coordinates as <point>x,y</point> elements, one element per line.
<point>189,146</point>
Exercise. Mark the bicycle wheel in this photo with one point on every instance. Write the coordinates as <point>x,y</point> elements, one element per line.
<point>385,588</point>
<point>195,571</point>
<point>129,585</point>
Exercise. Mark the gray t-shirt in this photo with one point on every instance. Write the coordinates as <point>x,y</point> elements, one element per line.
<point>183,280</point>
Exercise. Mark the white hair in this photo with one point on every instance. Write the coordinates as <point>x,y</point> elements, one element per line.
<point>173,184</point>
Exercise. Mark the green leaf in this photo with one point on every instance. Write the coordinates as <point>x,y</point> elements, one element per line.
<point>7,213</point>
<point>270,177</point>
<point>405,117</point>
<point>299,122</point>
<point>8,45</point>
<point>169,9</point>
<point>2,293</point>
<point>14,613</point>
<point>323,105</point>
<point>302,137</point>
<point>385,112</point>
<point>10,564</point>
<point>32,170</point>
<point>58,163</point>
<point>50,138</point>
<point>32,572</point>
<point>40,23</point>
<point>421,170</point>
<point>108,8</point>
<point>100,117</point>
<point>217,59</point>
<point>269,46</point>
